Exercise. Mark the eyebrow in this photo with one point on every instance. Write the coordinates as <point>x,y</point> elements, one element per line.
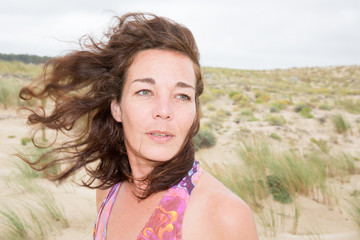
<point>152,81</point>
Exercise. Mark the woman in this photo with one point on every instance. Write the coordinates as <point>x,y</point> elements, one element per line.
<point>133,100</point>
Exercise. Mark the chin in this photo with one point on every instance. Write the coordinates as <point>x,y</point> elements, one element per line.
<point>160,155</point>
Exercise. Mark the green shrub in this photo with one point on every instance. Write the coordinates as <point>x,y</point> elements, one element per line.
<point>211,108</point>
<point>278,190</point>
<point>275,120</point>
<point>306,112</point>
<point>9,91</point>
<point>221,114</point>
<point>214,123</point>
<point>206,98</point>
<point>350,105</point>
<point>275,136</point>
<point>321,144</point>
<point>262,97</point>
<point>277,105</point>
<point>274,110</point>
<point>25,140</point>
<point>247,112</point>
<point>325,106</point>
<point>299,107</point>
<point>217,92</point>
<point>341,125</point>
<point>232,93</point>
<point>204,139</point>
<point>241,100</point>
<point>355,193</point>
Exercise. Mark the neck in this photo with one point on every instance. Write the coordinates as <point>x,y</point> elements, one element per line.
<point>140,169</point>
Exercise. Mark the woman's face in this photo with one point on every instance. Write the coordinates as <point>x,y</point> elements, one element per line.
<point>158,106</point>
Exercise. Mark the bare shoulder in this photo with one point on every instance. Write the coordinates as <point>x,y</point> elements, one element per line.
<point>100,196</point>
<point>223,214</point>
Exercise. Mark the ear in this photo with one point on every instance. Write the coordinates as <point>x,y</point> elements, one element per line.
<point>115,110</point>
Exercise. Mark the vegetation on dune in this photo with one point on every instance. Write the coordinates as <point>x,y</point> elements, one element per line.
<point>37,215</point>
<point>19,70</point>
<point>24,58</point>
<point>341,125</point>
<point>205,138</point>
<point>266,179</point>
<point>13,76</point>
<point>282,175</point>
<point>353,209</point>
<point>275,120</point>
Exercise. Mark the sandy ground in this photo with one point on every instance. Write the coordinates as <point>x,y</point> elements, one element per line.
<point>317,221</point>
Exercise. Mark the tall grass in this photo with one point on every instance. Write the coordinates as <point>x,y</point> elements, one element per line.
<point>354,210</point>
<point>33,218</point>
<point>55,211</point>
<point>24,221</point>
<point>9,91</point>
<point>341,125</point>
<point>14,224</point>
<point>38,212</point>
<point>283,175</point>
<point>20,69</point>
<point>275,120</point>
<point>350,105</point>
<point>33,154</point>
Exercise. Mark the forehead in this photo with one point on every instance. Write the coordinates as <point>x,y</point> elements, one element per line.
<point>162,65</point>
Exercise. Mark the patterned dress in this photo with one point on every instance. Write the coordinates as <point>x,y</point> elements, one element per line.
<point>165,222</point>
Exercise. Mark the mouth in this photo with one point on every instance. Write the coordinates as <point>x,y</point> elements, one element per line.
<point>160,136</point>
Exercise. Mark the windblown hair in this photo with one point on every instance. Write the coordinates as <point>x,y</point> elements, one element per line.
<point>82,85</point>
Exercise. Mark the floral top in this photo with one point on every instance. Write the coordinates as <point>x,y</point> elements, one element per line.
<point>165,222</point>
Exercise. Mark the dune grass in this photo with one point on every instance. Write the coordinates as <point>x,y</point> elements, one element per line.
<point>33,154</point>
<point>13,76</point>
<point>35,217</point>
<point>15,225</point>
<point>275,120</point>
<point>19,68</point>
<point>353,210</point>
<point>9,91</point>
<point>341,124</point>
<point>275,136</point>
<point>283,175</point>
<point>38,213</point>
<point>350,105</point>
<point>54,211</point>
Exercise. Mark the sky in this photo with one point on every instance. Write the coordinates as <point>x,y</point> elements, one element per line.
<point>252,34</point>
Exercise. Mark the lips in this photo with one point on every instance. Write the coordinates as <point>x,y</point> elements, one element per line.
<point>160,136</point>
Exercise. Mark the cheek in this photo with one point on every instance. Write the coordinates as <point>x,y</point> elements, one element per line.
<point>131,117</point>
<point>187,119</point>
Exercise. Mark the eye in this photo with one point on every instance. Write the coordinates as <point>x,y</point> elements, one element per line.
<point>144,92</point>
<point>183,97</point>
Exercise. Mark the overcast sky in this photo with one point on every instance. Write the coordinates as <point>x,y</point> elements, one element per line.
<point>253,34</point>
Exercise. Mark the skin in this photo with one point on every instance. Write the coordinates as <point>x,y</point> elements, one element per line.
<point>157,110</point>
<point>157,107</point>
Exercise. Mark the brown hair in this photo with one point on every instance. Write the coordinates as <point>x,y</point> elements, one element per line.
<point>82,85</point>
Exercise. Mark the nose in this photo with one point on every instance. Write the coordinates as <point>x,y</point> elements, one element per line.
<point>162,108</point>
